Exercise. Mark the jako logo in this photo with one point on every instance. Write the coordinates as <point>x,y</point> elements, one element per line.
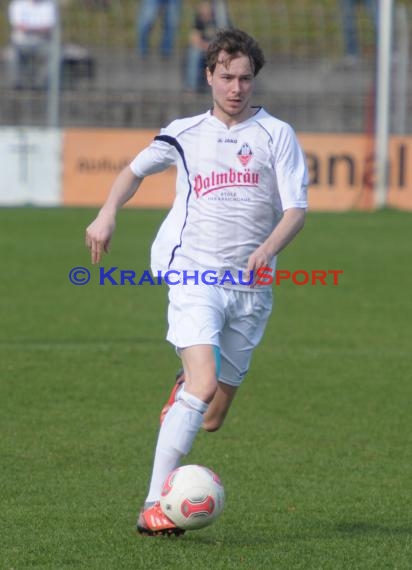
<point>218,180</point>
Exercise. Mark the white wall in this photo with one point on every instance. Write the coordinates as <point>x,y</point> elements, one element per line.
<point>30,166</point>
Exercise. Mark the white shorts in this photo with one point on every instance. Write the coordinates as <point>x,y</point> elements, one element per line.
<point>230,319</point>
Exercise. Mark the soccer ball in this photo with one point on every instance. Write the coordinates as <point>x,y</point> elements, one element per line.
<point>192,497</point>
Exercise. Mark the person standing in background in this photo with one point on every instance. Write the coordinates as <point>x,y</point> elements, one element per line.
<point>32,23</point>
<point>350,27</point>
<point>209,17</point>
<point>148,13</point>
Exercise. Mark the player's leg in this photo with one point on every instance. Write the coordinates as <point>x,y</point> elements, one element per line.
<point>180,383</point>
<point>200,371</point>
<point>219,407</point>
<point>247,317</point>
<point>192,315</point>
<point>185,416</point>
<point>178,431</point>
<point>239,337</point>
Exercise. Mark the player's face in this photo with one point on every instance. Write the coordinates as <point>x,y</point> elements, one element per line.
<point>232,85</point>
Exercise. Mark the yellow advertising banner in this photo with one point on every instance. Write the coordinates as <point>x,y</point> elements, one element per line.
<point>341,169</point>
<point>400,173</point>
<point>93,158</point>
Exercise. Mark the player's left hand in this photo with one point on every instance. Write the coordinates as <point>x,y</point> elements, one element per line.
<point>260,258</point>
<point>98,236</point>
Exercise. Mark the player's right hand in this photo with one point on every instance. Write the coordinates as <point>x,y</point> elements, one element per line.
<point>98,236</point>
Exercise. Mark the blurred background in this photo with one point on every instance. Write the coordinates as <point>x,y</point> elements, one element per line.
<point>319,74</point>
<point>85,85</point>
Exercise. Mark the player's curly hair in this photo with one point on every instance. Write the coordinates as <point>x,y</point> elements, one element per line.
<point>234,41</point>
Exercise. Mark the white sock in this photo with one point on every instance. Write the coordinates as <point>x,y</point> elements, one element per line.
<point>176,436</point>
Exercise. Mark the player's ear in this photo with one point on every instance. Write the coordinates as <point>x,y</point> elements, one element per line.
<point>209,76</point>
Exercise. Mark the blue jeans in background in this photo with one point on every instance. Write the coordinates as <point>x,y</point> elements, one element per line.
<point>195,69</point>
<point>349,23</point>
<point>146,18</point>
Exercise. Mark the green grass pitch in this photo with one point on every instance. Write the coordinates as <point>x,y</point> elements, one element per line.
<point>315,456</point>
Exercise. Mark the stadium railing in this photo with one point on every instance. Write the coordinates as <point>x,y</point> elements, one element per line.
<point>307,81</point>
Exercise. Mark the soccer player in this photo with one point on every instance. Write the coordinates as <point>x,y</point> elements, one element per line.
<point>241,197</point>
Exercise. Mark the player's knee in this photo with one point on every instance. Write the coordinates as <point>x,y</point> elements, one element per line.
<point>212,424</point>
<point>213,390</point>
<point>204,390</point>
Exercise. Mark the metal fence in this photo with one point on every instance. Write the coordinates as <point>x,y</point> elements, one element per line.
<point>309,80</point>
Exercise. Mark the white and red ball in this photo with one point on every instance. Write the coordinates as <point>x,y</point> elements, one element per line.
<point>192,497</point>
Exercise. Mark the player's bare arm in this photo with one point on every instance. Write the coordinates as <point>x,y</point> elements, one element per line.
<point>292,222</point>
<point>100,231</point>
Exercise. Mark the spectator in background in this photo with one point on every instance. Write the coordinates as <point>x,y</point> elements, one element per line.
<point>32,23</point>
<point>350,27</point>
<point>148,13</point>
<point>99,4</point>
<point>209,17</point>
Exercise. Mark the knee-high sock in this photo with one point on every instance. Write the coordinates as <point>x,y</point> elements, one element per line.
<point>176,436</point>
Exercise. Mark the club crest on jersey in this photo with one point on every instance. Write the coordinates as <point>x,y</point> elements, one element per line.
<point>245,154</point>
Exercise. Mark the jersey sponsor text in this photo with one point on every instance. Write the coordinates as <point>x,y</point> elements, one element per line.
<point>218,180</point>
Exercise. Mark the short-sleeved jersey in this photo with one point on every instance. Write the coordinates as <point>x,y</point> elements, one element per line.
<point>30,19</point>
<point>233,185</point>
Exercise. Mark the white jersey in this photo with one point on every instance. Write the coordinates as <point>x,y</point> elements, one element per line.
<point>31,20</point>
<point>232,187</point>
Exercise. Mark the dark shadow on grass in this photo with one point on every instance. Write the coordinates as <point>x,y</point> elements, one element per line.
<point>314,531</point>
<point>248,540</point>
<point>363,528</point>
